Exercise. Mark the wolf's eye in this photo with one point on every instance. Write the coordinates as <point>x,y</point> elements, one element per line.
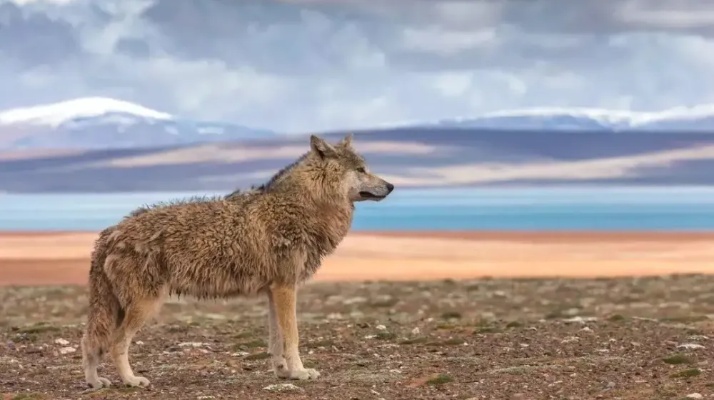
<point>361,170</point>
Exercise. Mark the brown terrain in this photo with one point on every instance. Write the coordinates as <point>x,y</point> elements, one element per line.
<point>397,316</point>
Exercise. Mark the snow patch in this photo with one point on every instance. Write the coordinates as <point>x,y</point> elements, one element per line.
<point>211,130</point>
<point>630,118</point>
<point>553,117</point>
<point>56,114</point>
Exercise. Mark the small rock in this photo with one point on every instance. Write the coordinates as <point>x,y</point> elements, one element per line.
<point>416,331</point>
<point>690,346</point>
<point>67,350</point>
<point>381,328</point>
<point>586,329</point>
<point>139,342</point>
<point>580,320</point>
<point>61,342</point>
<point>694,396</point>
<point>698,337</point>
<point>488,316</point>
<point>572,311</point>
<point>191,344</point>
<point>370,337</point>
<point>282,387</point>
<point>499,293</point>
<point>354,300</point>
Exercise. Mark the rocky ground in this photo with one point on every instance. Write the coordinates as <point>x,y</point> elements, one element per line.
<point>645,338</point>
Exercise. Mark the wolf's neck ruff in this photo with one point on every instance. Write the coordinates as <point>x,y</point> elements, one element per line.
<point>270,182</point>
<point>283,172</point>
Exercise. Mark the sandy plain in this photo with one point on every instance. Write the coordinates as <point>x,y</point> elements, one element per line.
<point>48,258</point>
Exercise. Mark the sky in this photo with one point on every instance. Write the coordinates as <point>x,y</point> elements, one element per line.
<point>320,65</point>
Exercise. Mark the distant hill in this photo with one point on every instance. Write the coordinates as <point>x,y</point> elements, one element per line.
<point>104,123</point>
<point>694,119</point>
<point>409,157</point>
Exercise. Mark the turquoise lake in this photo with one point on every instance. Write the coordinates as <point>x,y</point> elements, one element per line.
<point>520,209</point>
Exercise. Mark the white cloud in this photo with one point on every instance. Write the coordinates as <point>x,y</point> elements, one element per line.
<point>453,84</point>
<point>324,64</point>
<point>444,42</point>
<point>678,15</point>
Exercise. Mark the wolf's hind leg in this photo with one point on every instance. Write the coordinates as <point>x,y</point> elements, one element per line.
<point>91,356</point>
<point>136,315</point>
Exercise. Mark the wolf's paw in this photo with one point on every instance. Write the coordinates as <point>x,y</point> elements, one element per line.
<point>299,374</point>
<point>99,383</point>
<point>280,367</point>
<point>137,381</point>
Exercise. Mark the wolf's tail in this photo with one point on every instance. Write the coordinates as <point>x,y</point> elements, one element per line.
<point>105,310</point>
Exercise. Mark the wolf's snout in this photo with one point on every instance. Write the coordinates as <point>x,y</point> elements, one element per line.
<point>390,187</point>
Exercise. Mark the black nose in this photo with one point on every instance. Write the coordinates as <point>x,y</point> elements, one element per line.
<point>390,187</point>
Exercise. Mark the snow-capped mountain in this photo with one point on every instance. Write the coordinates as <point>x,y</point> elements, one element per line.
<point>694,119</point>
<point>102,123</point>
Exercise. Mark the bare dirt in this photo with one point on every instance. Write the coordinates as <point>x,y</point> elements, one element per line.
<point>625,338</point>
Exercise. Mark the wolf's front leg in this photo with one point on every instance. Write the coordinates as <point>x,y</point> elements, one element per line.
<point>275,339</point>
<point>286,311</point>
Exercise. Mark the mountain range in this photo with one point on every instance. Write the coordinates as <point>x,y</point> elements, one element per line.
<point>694,119</point>
<point>106,145</point>
<point>105,123</point>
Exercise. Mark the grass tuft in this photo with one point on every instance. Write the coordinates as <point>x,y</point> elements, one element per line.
<point>419,340</point>
<point>687,373</point>
<point>678,359</point>
<point>451,315</point>
<point>257,356</point>
<point>440,380</point>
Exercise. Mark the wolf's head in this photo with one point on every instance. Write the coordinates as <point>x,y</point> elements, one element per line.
<point>338,171</point>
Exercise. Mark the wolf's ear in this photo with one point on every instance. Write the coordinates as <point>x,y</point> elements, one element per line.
<point>321,147</point>
<point>346,142</point>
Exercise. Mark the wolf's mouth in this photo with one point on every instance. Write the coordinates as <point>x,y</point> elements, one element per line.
<point>370,195</point>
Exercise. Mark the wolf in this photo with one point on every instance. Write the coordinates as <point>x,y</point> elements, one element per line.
<point>266,241</point>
